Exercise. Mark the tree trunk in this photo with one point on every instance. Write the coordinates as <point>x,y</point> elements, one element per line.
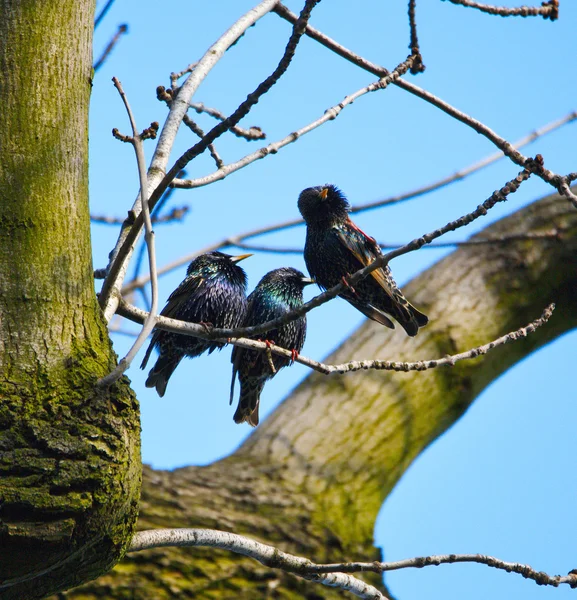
<point>313,476</point>
<point>69,452</point>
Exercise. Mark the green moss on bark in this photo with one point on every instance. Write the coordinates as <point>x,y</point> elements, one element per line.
<point>69,451</point>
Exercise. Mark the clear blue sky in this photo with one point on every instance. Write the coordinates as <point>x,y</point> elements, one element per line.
<point>501,481</point>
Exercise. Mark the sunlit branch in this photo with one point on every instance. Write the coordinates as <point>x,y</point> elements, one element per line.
<point>148,326</point>
<point>245,106</point>
<point>559,182</point>
<point>175,326</point>
<point>239,239</point>
<point>120,256</point>
<point>265,554</point>
<point>270,149</point>
<point>277,559</point>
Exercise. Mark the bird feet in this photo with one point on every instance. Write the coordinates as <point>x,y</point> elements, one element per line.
<point>348,285</point>
<point>269,345</point>
<point>206,325</point>
<point>294,355</point>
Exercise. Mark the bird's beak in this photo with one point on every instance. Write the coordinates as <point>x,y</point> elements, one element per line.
<point>324,193</point>
<point>307,280</point>
<point>238,258</point>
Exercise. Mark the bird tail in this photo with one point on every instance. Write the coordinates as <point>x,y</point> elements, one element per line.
<point>411,319</point>
<point>160,374</point>
<point>247,410</point>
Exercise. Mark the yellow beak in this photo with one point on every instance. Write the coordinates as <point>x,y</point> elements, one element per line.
<point>238,258</point>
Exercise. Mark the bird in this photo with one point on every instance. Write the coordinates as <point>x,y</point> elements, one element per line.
<point>212,293</point>
<point>336,248</point>
<point>276,294</point>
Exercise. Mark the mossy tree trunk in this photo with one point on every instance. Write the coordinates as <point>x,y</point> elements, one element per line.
<point>313,476</point>
<point>69,452</point>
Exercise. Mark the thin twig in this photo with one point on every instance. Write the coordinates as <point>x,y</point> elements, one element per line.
<point>122,29</point>
<point>328,115</point>
<point>557,181</point>
<point>200,133</point>
<point>554,234</point>
<point>526,571</point>
<point>238,240</point>
<point>418,66</point>
<point>176,214</point>
<point>137,143</point>
<point>265,554</point>
<point>252,133</point>
<point>245,106</point>
<point>206,333</point>
<point>547,10</point>
<point>498,196</point>
<point>120,256</point>
<point>102,13</point>
<point>167,96</point>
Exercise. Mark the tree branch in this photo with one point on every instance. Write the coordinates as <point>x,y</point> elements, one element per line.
<point>265,554</point>
<point>547,10</point>
<point>185,328</point>
<point>277,559</point>
<point>137,143</point>
<point>124,248</point>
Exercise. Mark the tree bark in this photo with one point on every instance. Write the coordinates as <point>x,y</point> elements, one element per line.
<point>69,451</point>
<point>313,476</point>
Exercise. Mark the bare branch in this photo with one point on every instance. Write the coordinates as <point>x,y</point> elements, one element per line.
<point>418,66</point>
<point>102,13</point>
<point>116,271</point>
<point>329,115</point>
<point>498,196</point>
<point>238,240</point>
<point>245,106</point>
<point>166,96</point>
<point>557,181</point>
<point>553,234</point>
<point>265,554</point>
<point>122,29</point>
<point>200,133</point>
<point>252,133</point>
<point>137,143</point>
<point>176,214</point>
<point>547,10</point>
<point>526,571</point>
<point>277,559</point>
<point>193,329</point>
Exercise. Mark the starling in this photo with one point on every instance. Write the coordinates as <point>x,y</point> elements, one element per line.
<point>336,248</point>
<point>276,294</point>
<point>214,293</point>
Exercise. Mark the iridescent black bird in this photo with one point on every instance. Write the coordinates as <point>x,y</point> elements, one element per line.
<point>336,248</point>
<point>277,293</point>
<point>213,292</point>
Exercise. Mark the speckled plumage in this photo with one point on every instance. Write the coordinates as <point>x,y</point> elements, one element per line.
<point>335,248</point>
<point>213,291</point>
<point>276,294</point>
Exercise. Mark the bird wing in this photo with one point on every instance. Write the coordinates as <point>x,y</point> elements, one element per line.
<point>190,286</point>
<point>365,249</point>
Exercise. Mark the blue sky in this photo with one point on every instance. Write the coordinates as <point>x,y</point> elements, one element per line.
<point>500,481</point>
